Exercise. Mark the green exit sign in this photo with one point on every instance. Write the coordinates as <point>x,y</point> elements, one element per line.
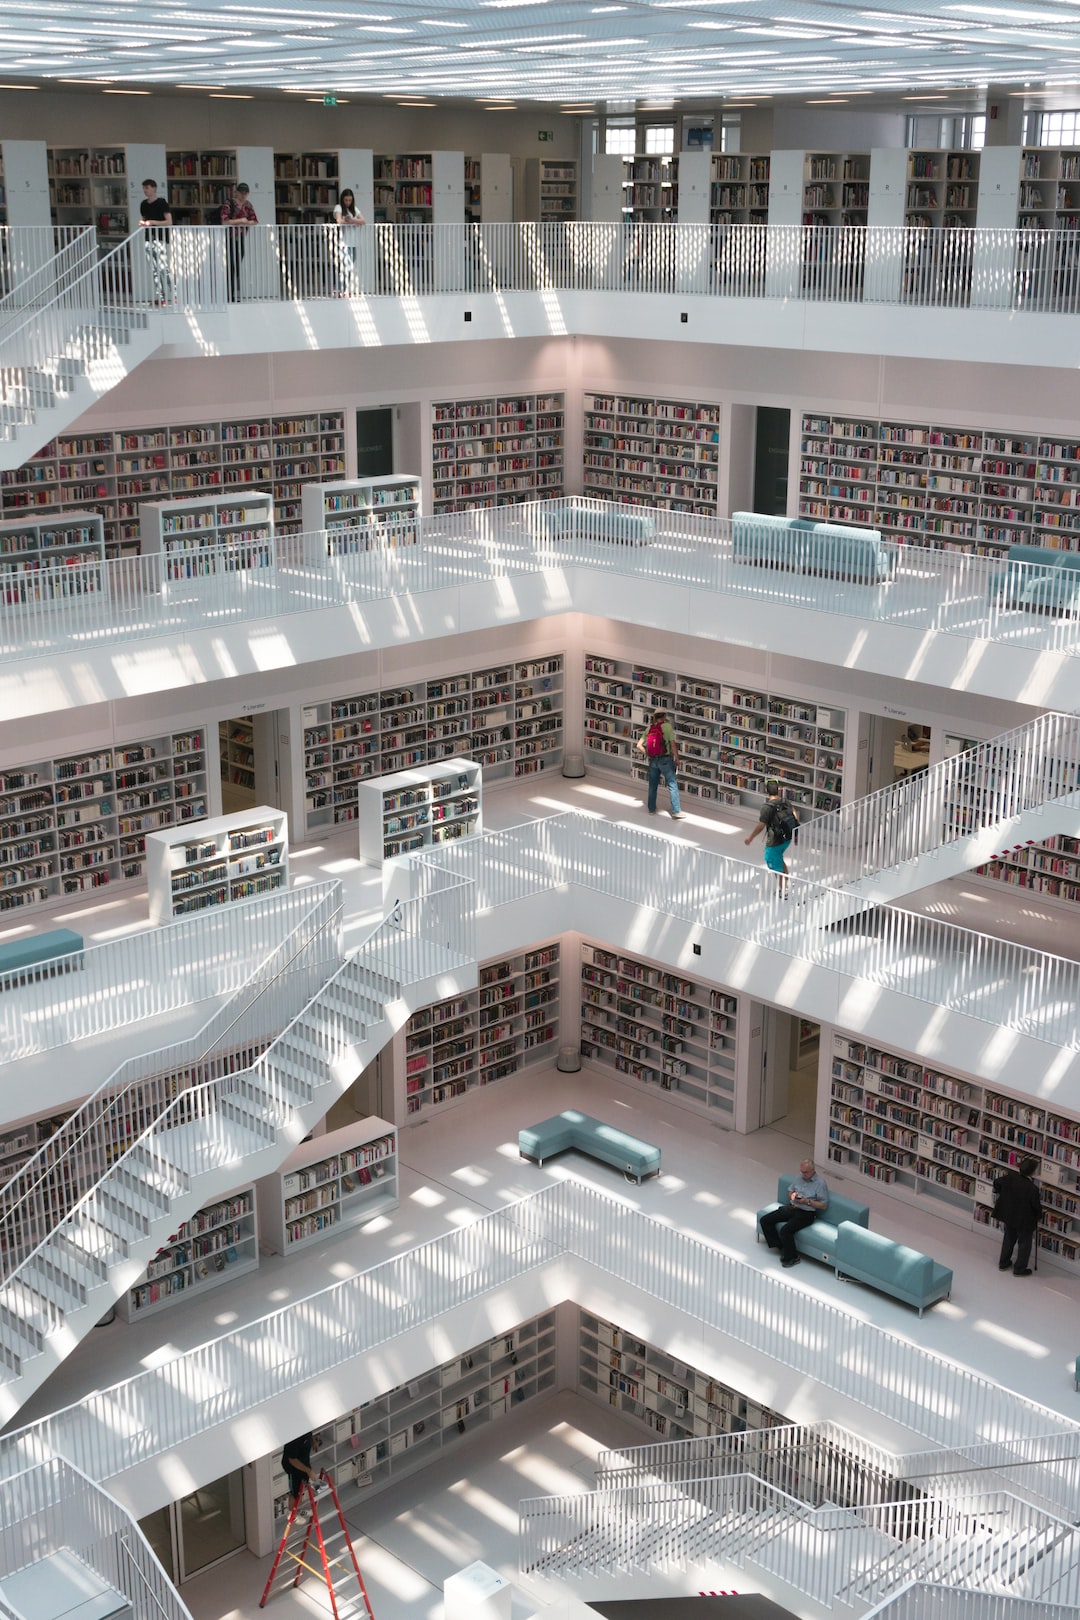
<point>545,134</point>
<point>329,101</point>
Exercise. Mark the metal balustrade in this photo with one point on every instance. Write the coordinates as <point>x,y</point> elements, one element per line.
<point>144,975</point>
<point>54,1508</point>
<point>136,598</point>
<point>158,1410</point>
<point>850,1557</point>
<point>922,1600</point>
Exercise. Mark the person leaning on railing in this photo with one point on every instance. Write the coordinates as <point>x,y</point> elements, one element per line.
<point>237,215</point>
<point>348,217</point>
<point>155,217</point>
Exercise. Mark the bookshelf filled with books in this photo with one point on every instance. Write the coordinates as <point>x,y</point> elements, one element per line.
<point>506,717</point>
<point>43,558</point>
<point>113,473</point>
<point>732,739</point>
<point>232,858</point>
<point>330,1183</point>
<point>361,514</point>
<point>659,1028</point>
<point>76,823</point>
<point>418,809</point>
<point>969,489</point>
<point>217,1245</point>
<point>942,189</point>
<point>551,189</point>
<point>739,189</point>
<point>941,1139</point>
<point>481,1036</point>
<point>652,452</point>
<point>409,1426</point>
<point>197,536</point>
<point>665,1395</point>
<point>497,451</point>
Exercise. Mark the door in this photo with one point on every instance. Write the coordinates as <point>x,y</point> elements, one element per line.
<point>771,451</point>
<point>201,1529</point>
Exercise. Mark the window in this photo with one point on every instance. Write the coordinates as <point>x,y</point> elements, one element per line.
<point>1053,128</point>
<point>659,138</point>
<point>620,138</point>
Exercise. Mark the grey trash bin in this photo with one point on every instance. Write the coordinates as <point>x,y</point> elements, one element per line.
<point>573,765</point>
<point>568,1060</point>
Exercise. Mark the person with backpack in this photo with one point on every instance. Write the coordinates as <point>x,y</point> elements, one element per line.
<point>658,746</point>
<point>1018,1207</point>
<point>779,821</point>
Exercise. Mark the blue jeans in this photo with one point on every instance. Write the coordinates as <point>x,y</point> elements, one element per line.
<point>662,765</point>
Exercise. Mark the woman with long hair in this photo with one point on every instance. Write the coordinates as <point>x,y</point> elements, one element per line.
<point>347,216</point>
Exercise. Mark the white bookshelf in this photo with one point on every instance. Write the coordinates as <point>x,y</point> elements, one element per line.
<point>217,1245</point>
<point>652,452</point>
<point>659,1028</point>
<point>112,474</point>
<point>497,451</point>
<point>37,553</point>
<point>951,487</point>
<point>475,1039</point>
<point>732,738</point>
<point>669,1397</point>
<point>940,1140</point>
<point>335,1181</point>
<point>506,717</point>
<point>739,189</point>
<point>429,188</point>
<point>359,514</point>
<point>199,181</point>
<point>551,189</point>
<point>942,188</point>
<point>236,756</point>
<point>80,821</point>
<point>198,536</point>
<point>409,1426</point>
<point>230,858</point>
<point>489,188</point>
<point>419,808</point>
<point>20,1142</point>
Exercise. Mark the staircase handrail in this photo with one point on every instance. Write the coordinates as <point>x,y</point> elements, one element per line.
<point>52,1183</point>
<point>38,334</point>
<point>1035,764</point>
<point>56,271</point>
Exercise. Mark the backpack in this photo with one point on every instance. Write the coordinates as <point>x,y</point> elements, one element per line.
<point>655,742</point>
<point>784,823</point>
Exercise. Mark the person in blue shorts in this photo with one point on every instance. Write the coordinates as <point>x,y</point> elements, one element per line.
<point>777,820</point>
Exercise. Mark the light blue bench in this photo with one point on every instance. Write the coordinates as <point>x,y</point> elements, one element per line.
<point>818,1242</point>
<point>806,547</point>
<point>1040,579</point>
<point>572,1129</point>
<point>621,525</point>
<point>46,951</point>
<point>893,1268</point>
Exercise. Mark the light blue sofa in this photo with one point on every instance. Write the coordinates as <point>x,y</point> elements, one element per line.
<point>806,547</point>
<point>572,1129</point>
<point>57,951</point>
<point>1040,579</point>
<point>617,524</point>
<point>894,1269</point>
<point>818,1242</point>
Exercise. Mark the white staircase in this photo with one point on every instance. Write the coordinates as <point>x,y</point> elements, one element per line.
<point>78,1223</point>
<point>68,335</point>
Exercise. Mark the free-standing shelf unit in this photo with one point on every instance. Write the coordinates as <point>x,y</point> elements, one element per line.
<point>332,1182</point>
<point>413,810</point>
<point>47,557</point>
<point>360,514</point>
<point>551,189</point>
<point>217,1245</point>
<point>209,534</point>
<point>232,858</point>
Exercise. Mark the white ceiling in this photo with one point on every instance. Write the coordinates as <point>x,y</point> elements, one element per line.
<point>535,50</point>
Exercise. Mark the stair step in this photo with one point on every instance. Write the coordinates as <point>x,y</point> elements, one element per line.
<point>36,1313</point>
<point>256,1115</point>
<point>54,1281</point>
<point>90,1268</point>
<point>114,1209</point>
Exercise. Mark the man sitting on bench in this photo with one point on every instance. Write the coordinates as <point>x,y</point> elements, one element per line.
<point>809,1194</point>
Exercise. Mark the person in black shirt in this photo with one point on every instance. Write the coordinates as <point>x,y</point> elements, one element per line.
<point>155,218</point>
<point>1018,1207</point>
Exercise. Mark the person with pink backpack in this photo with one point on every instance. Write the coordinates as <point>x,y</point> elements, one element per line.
<point>658,746</point>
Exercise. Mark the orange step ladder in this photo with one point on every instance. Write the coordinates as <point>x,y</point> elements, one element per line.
<point>330,1544</point>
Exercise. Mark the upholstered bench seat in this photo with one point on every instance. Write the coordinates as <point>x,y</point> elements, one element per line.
<point>893,1268</point>
<point>805,546</point>
<point>22,956</point>
<point>619,525</point>
<point>572,1129</point>
<point>818,1242</point>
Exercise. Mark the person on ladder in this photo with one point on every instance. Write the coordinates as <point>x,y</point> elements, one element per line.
<point>296,1458</point>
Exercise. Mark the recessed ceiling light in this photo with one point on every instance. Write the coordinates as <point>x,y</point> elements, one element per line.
<point>21,86</point>
<point>229,95</point>
<point>127,92</point>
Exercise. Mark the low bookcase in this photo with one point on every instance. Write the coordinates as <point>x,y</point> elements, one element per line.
<point>337,1180</point>
<point>217,1245</point>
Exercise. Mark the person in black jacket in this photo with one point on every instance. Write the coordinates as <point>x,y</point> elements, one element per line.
<point>1018,1207</point>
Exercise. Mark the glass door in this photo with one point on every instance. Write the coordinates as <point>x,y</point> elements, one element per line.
<point>199,1530</point>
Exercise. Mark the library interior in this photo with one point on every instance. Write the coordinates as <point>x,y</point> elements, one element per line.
<point>377,1069</point>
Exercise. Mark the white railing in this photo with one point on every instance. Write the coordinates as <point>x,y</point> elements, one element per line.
<point>141,597</point>
<point>990,979</point>
<point>178,1085</point>
<point>922,1601</point>
<point>822,1463</point>
<point>53,1508</point>
<point>39,262</point>
<point>838,1556</point>
<point>159,1410</point>
<point>937,268</point>
<point>103,987</point>
<point>953,802</point>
